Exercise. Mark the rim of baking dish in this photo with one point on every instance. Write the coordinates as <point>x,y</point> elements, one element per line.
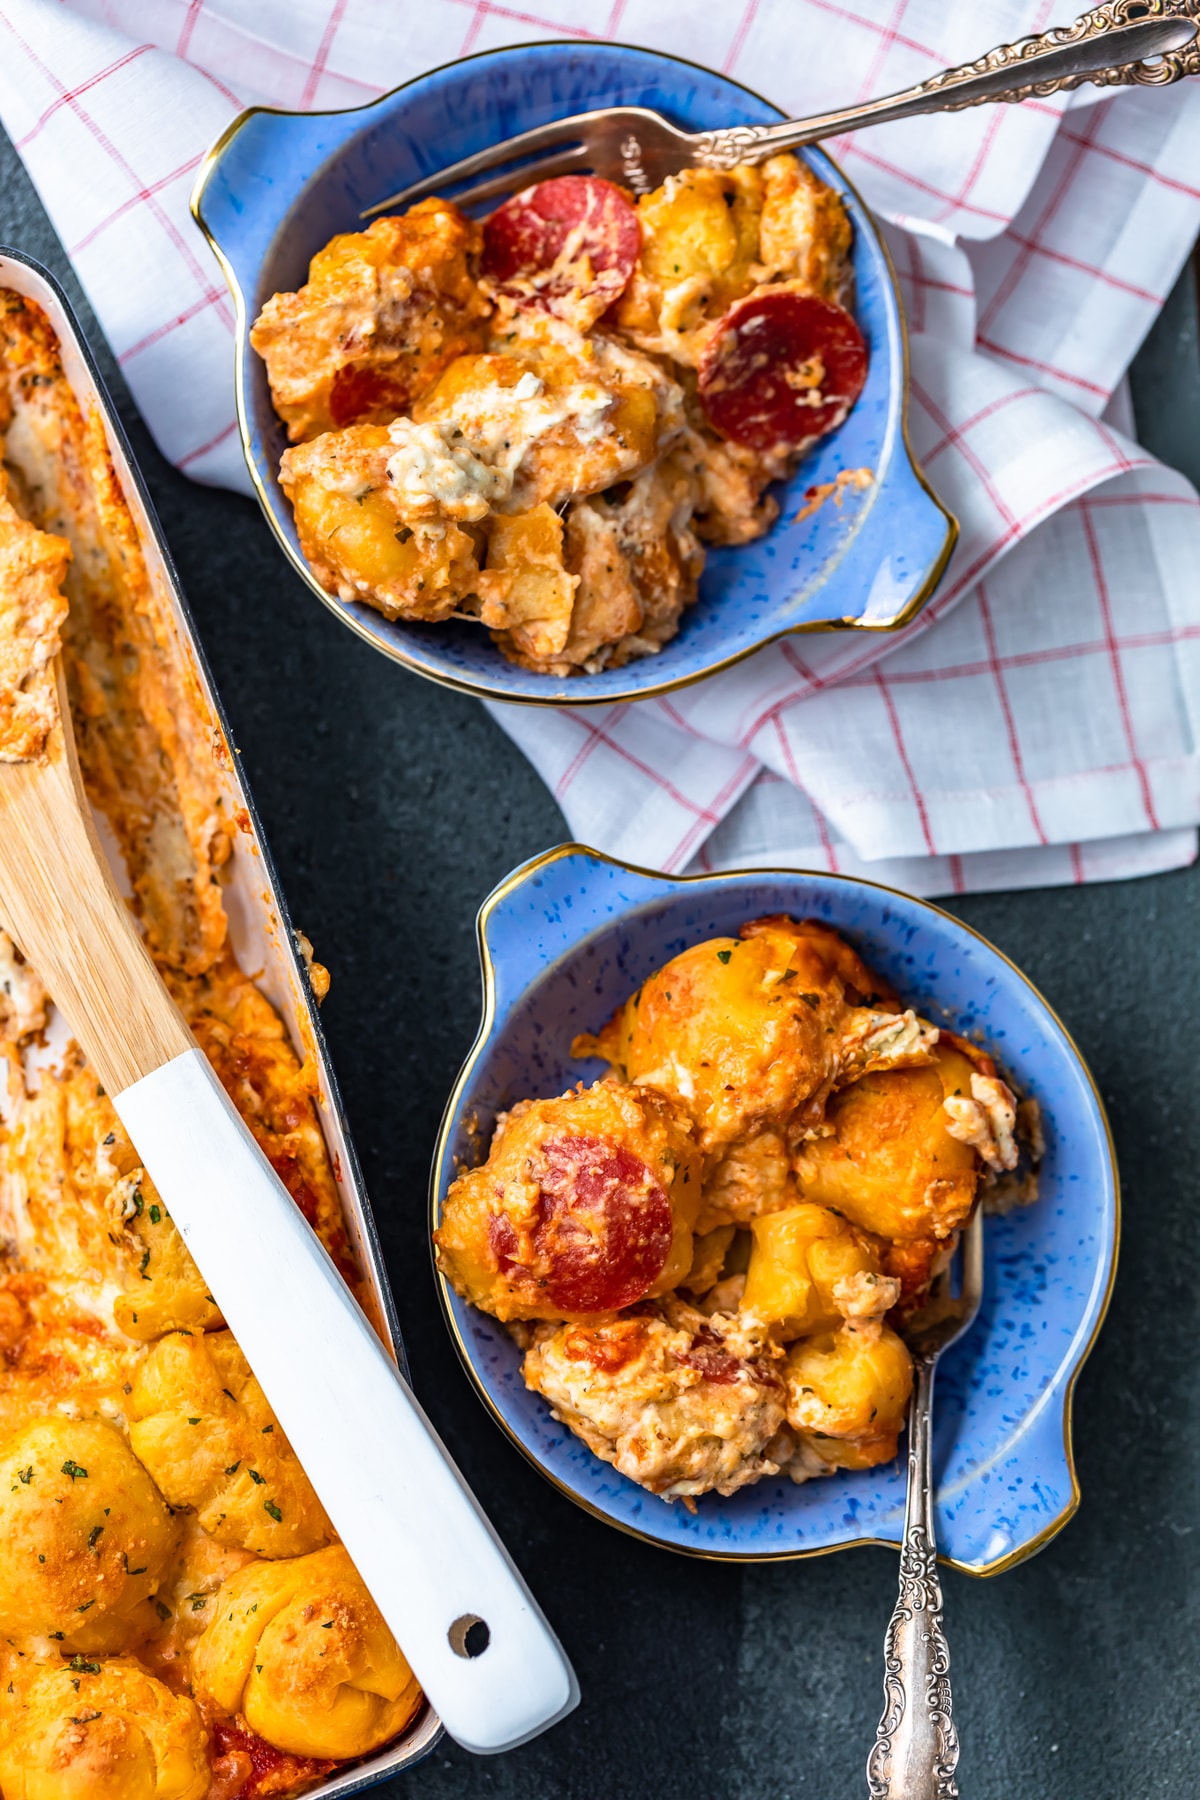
<point>482,689</point>
<point>560,852</point>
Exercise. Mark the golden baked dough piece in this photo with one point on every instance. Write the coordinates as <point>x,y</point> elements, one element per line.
<point>32,608</point>
<point>671,1399</point>
<point>165,1290</point>
<point>100,1731</point>
<point>709,237</point>
<point>552,413</point>
<point>530,601</point>
<point>847,1395</point>
<point>809,1270</point>
<point>804,231</point>
<point>700,252</point>
<point>382,313</point>
<point>611,588</point>
<point>892,1165</point>
<point>300,1649</point>
<point>756,1031</point>
<point>85,1538</point>
<point>365,540</point>
<point>585,1204</point>
<point>201,1424</point>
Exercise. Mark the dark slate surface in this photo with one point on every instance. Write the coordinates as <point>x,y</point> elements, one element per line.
<point>393,807</point>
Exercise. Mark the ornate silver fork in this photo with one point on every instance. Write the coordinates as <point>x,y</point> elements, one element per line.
<point>916,1746</point>
<point>1124,42</point>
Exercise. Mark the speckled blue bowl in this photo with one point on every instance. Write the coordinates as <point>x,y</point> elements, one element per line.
<point>278,185</point>
<point>569,936</point>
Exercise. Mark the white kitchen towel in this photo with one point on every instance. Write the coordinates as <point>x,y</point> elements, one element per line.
<point>1036,724</point>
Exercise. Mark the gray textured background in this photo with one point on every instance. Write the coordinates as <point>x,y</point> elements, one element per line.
<point>392,808</point>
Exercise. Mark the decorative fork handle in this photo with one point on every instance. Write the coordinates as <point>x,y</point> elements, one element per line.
<point>1109,45</point>
<point>916,1746</point>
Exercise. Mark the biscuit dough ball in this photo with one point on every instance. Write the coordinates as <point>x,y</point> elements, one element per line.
<point>614,586</point>
<point>554,414</point>
<point>848,1392</point>
<point>301,1650</point>
<point>893,1165</point>
<point>804,230</point>
<point>755,1031</point>
<point>101,1731</point>
<point>166,1290</point>
<point>381,315</point>
<point>699,254</point>
<point>584,1205</point>
<point>201,1424</point>
<point>734,1030</point>
<point>531,603</point>
<point>365,540</point>
<point>809,1270</point>
<point>85,1538</point>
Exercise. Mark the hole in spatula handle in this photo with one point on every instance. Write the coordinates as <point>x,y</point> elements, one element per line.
<point>469,1636</point>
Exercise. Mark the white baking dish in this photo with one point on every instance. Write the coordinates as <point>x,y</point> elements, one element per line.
<point>260,930</point>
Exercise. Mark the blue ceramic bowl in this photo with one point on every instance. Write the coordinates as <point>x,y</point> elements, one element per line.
<point>278,185</point>
<point>572,934</point>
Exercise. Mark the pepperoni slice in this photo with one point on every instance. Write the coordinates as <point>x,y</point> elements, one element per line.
<point>567,246</point>
<point>604,1227</point>
<point>782,369</point>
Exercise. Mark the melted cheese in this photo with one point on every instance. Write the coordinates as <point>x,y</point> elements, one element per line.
<point>461,466</point>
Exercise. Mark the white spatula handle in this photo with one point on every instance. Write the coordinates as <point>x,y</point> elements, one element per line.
<point>419,1539</point>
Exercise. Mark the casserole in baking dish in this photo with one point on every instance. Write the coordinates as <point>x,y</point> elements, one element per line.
<point>177,1618</point>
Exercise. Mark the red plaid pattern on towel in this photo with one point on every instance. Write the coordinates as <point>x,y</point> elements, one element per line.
<point>1037,723</point>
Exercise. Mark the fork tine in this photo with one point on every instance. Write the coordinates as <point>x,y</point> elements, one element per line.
<point>542,137</point>
<point>972,1260</point>
<point>571,162</point>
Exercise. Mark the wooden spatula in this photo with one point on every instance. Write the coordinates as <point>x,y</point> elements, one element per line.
<point>433,1563</point>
